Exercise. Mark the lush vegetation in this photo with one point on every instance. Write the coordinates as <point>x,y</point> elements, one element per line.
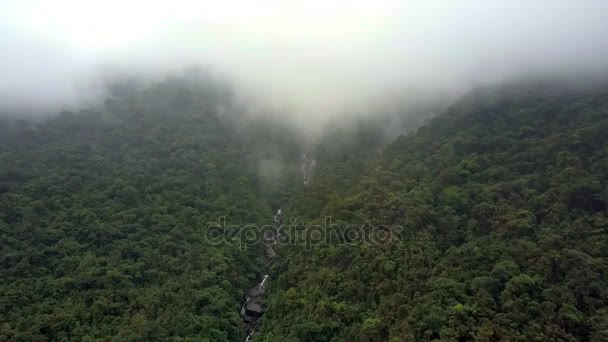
<point>501,200</point>
<point>503,205</point>
<point>103,216</point>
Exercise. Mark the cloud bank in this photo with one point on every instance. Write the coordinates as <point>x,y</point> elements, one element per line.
<point>314,58</point>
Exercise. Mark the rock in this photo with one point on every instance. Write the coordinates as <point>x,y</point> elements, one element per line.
<point>269,252</point>
<point>254,309</point>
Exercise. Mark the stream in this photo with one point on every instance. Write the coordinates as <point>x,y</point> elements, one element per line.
<point>252,309</point>
<point>308,165</point>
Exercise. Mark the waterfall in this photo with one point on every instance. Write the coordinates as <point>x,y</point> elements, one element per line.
<point>307,166</point>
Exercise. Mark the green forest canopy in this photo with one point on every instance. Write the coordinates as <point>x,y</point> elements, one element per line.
<point>503,197</point>
<point>102,221</point>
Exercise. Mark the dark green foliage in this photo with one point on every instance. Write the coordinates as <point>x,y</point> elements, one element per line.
<point>103,217</point>
<point>502,202</point>
<point>503,205</point>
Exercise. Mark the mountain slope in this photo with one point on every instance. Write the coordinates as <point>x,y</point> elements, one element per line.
<point>104,214</point>
<point>501,203</point>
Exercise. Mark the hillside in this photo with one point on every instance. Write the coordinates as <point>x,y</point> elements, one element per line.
<point>501,204</point>
<point>486,223</point>
<point>104,214</point>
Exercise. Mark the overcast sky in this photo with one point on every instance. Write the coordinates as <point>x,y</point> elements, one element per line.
<point>316,56</point>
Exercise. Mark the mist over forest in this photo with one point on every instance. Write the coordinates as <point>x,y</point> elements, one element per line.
<point>287,171</point>
<point>309,62</point>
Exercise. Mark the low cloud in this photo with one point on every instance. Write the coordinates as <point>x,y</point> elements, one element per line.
<point>310,61</point>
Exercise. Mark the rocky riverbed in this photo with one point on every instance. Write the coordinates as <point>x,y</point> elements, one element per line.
<point>252,308</point>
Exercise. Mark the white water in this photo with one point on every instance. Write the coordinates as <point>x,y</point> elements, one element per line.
<point>244,305</point>
<point>310,165</point>
<point>277,216</point>
<point>261,287</point>
<point>263,281</point>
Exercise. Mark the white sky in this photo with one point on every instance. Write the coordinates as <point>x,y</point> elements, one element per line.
<point>317,56</point>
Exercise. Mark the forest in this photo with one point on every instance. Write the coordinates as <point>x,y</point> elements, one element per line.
<point>103,216</point>
<point>502,200</point>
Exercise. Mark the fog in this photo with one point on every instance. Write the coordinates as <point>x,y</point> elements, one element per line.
<point>311,61</point>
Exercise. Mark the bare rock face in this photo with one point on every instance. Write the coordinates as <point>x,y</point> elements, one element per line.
<point>255,291</point>
<point>254,309</point>
<point>269,252</point>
